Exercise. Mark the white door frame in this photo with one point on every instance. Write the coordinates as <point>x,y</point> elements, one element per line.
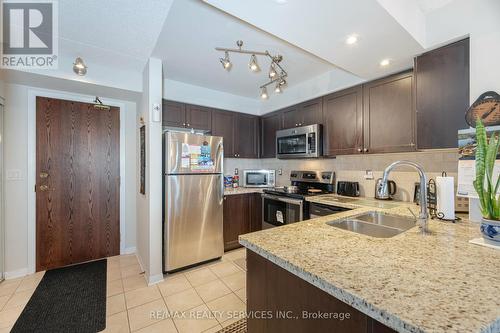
<point>32,95</point>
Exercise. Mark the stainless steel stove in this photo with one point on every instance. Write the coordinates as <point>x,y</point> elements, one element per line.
<point>280,206</point>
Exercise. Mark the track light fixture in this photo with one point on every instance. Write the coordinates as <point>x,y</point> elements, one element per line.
<point>226,63</point>
<point>79,67</point>
<point>276,73</point>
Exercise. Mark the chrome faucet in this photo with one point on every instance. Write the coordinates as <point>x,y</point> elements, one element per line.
<point>383,190</point>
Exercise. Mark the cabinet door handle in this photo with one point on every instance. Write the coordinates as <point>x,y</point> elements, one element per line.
<point>365,150</point>
<point>188,125</point>
<point>296,125</point>
<point>360,150</point>
<point>183,124</point>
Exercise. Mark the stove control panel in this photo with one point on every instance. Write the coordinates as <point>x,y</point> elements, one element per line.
<point>326,177</point>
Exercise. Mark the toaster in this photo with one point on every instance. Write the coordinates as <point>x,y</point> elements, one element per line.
<point>350,189</point>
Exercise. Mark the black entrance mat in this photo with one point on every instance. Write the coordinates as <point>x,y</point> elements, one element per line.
<point>68,299</point>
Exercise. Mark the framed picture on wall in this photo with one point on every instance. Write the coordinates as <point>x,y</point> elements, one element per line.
<point>142,131</point>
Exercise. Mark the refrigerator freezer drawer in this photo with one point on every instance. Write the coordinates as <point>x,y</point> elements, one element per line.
<point>193,220</point>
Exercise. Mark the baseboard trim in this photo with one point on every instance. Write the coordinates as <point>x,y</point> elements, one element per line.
<point>151,280</point>
<point>16,274</point>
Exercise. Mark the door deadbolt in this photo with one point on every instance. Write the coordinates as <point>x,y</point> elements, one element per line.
<point>43,188</point>
<point>43,175</point>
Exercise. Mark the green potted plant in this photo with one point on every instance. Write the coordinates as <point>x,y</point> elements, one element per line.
<point>487,187</point>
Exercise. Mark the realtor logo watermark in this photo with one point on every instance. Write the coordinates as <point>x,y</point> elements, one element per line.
<point>29,34</point>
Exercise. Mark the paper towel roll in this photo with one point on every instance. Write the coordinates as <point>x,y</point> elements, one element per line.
<point>445,194</point>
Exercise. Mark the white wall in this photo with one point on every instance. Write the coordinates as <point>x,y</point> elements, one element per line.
<point>16,158</point>
<point>188,93</point>
<point>149,206</point>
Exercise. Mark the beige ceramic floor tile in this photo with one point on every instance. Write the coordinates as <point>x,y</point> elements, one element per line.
<point>8,287</point>
<point>28,284</point>
<point>134,282</point>
<point>114,288</point>
<point>164,326</point>
<point>228,307</point>
<point>235,281</point>
<point>200,276</point>
<point>197,320</point>
<point>128,260</point>
<point>8,317</point>
<point>3,301</point>
<point>141,296</point>
<point>18,299</point>
<point>225,269</point>
<point>184,300</point>
<point>242,294</point>
<point>212,290</point>
<point>113,274</point>
<point>235,254</point>
<point>115,304</point>
<point>173,285</point>
<point>214,329</point>
<point>141,316</point>
<point>131,270</point>
<point>117,323</point>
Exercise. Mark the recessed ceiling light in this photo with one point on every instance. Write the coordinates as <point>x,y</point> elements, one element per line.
<point>281,2</point>
<point>352,39</point>
<point>385,62</point>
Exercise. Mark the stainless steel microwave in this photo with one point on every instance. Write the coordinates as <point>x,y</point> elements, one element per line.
<point>299,142</point>
<point>259,178</point>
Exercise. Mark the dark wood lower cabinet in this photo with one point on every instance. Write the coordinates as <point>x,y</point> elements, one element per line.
<point>273,291</point>
<point>242,214</point>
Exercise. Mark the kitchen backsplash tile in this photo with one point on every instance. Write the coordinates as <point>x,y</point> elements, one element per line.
<point>353,168</point>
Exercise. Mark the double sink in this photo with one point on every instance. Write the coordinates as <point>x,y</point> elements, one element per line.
<point>375,224</point>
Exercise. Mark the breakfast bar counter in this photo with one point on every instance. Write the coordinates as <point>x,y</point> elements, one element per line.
<point>411,282</point>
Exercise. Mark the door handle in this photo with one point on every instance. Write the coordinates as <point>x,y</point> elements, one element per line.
<point>43,175</point>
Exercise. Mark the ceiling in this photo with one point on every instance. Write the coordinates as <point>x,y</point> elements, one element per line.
<point>187,44</point>
<point>322,26</point>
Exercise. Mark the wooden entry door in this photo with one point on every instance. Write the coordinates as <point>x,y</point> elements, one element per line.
<point>77,182</point>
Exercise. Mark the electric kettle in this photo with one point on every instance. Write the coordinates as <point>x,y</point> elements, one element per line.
<point>391,187</point>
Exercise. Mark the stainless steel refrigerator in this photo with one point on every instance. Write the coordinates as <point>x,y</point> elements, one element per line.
<point>193,195</point>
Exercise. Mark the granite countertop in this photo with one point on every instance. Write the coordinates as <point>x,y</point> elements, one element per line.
<point>410,282</point>
<point>242,190</point>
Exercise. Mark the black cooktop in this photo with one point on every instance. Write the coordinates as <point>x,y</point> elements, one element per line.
<point>301,194</point>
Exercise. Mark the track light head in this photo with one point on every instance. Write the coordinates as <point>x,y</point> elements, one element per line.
<point>278,89</point>
<point>263,93</point>
<point>253,65</point>
<point>226,63</point>
<point>272,72</point>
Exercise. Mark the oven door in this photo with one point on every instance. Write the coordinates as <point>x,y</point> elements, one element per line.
<point>278,211</point>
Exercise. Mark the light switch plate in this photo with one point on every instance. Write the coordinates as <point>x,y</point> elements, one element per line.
<point>14,174</point>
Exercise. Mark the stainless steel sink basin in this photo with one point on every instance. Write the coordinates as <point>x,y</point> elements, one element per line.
<point>375,224</point>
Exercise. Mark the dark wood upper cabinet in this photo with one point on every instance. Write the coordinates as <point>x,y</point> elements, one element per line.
<point>269,125</point>
<point>247,136</point>
<point>303,114</point>
<point>198,117</point>
<point>343,122</point>
<point>388,114</point>
<point>173,114</point>
<point>312,112</point>
<point>236,212</point>
<point>292,117</point>
<point>442,95</point>
<point>223,123</point>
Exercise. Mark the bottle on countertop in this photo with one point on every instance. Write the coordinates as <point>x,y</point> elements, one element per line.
<point>236,181</point>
